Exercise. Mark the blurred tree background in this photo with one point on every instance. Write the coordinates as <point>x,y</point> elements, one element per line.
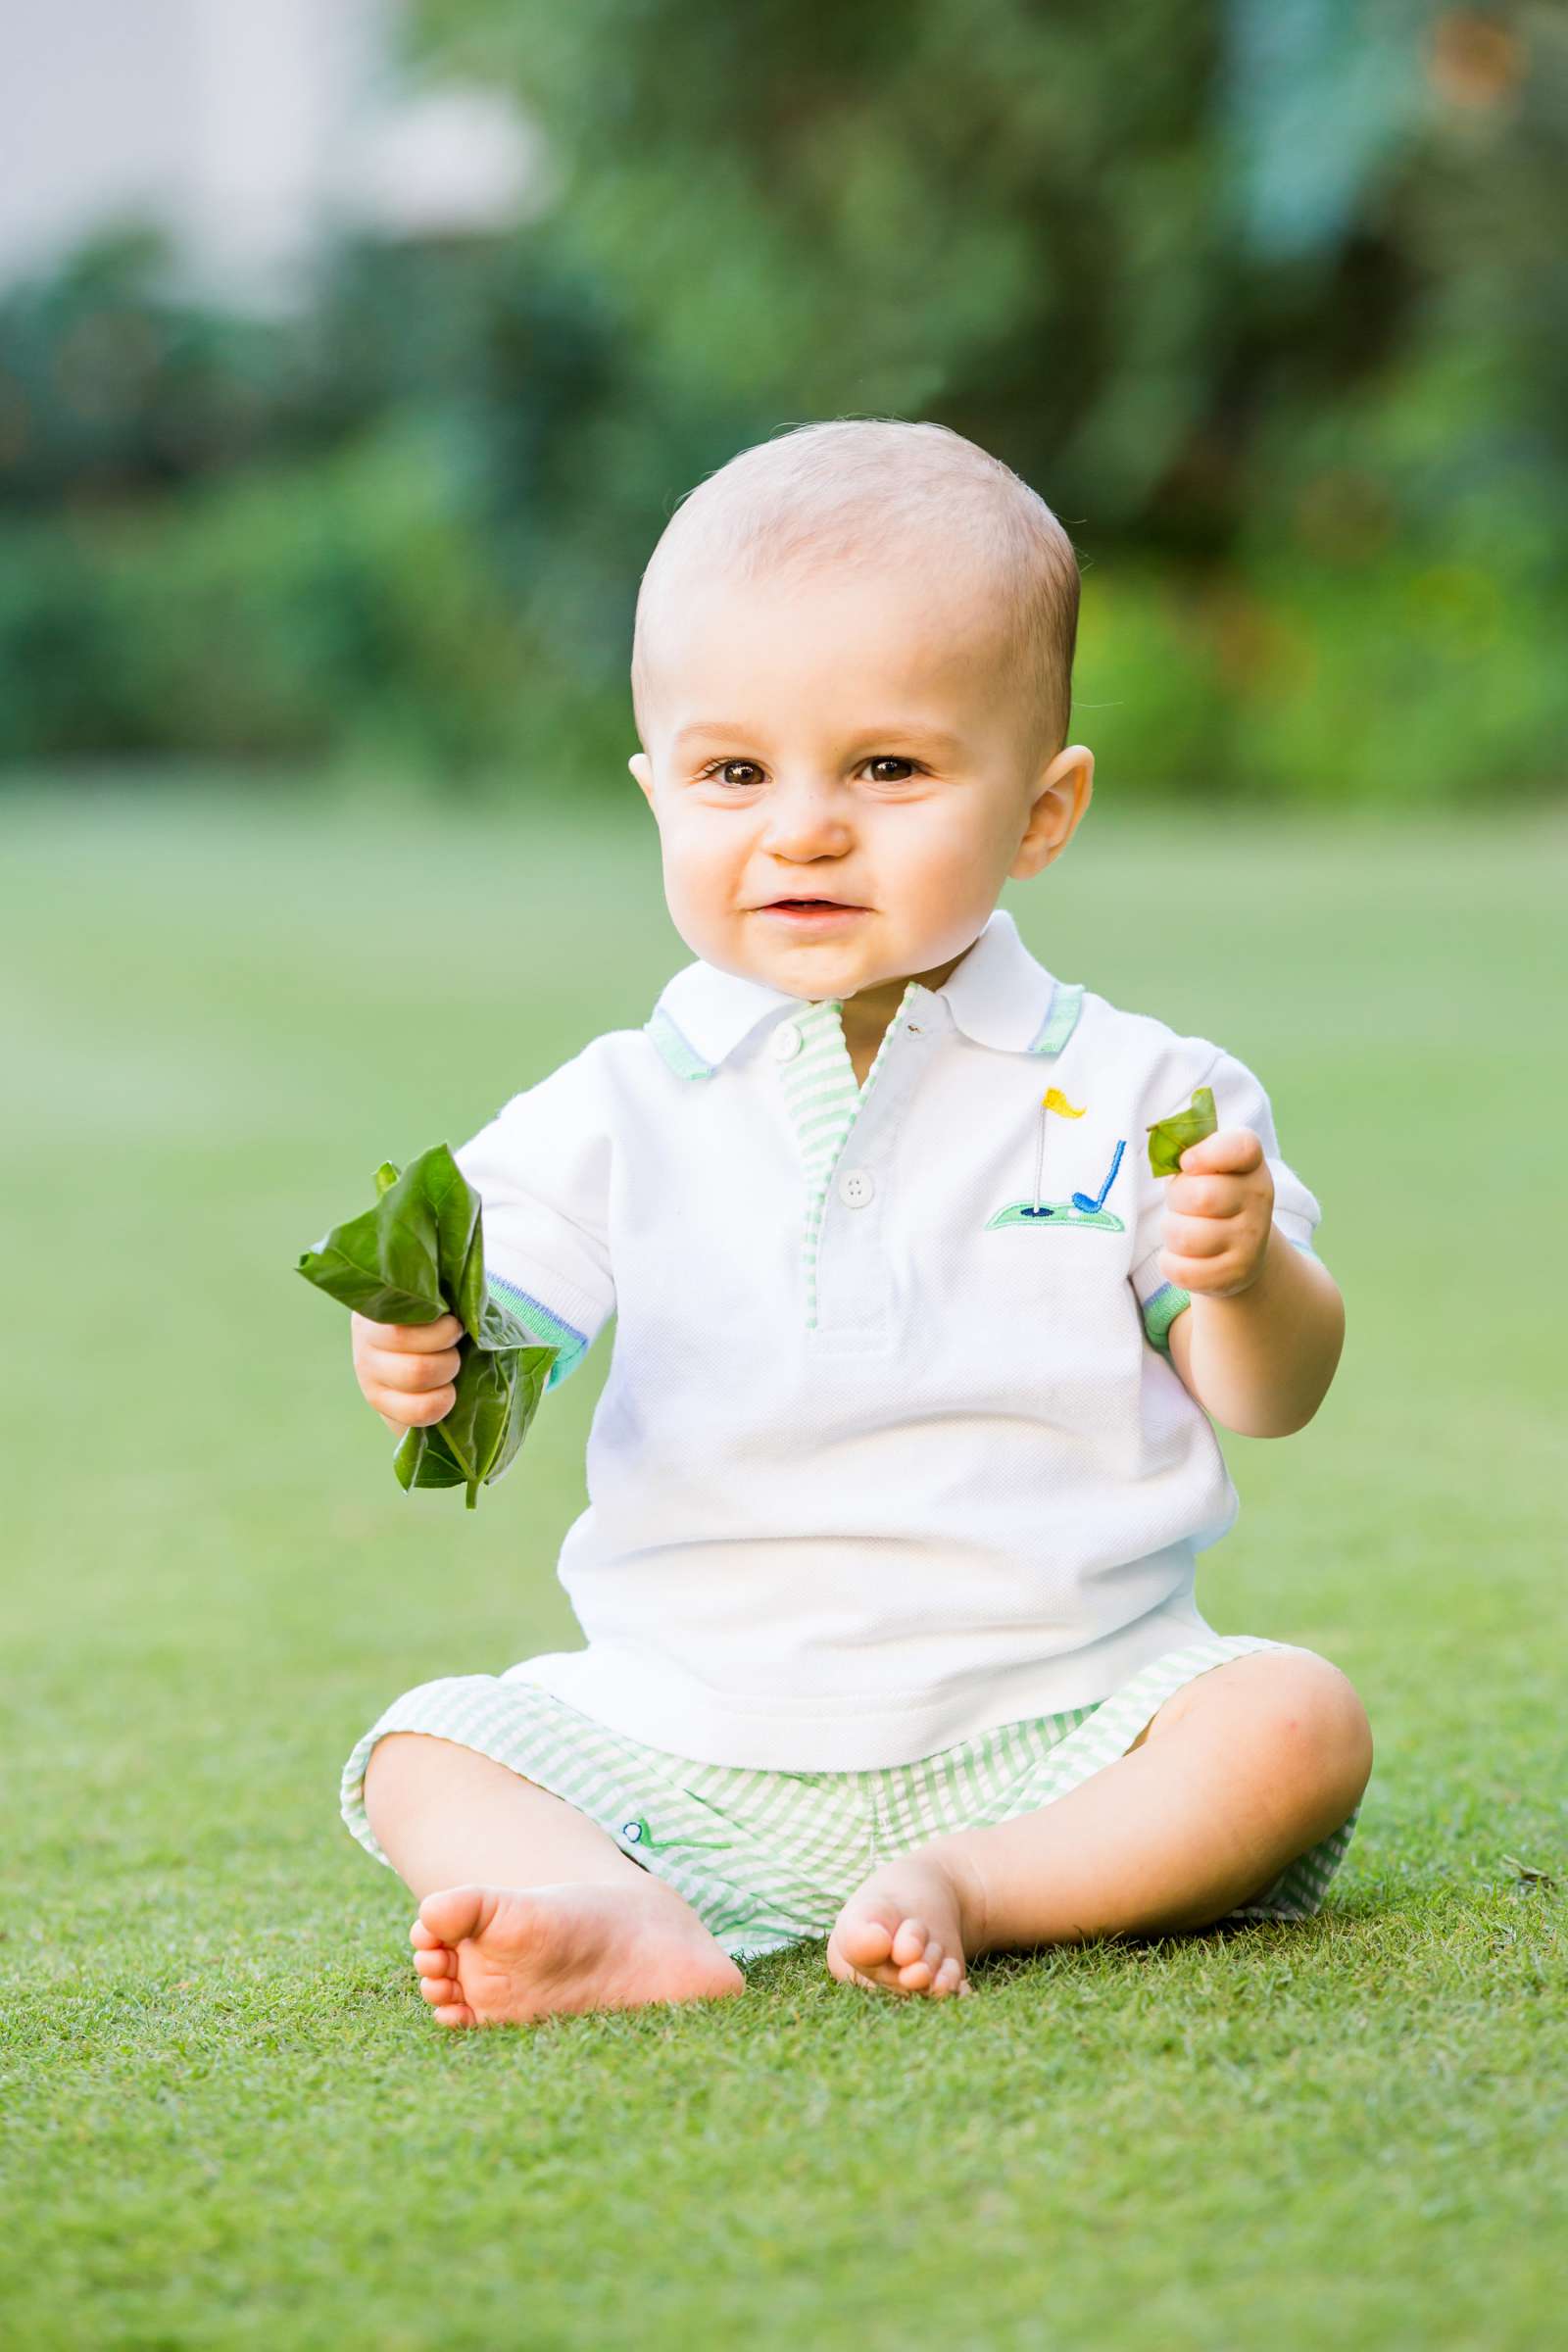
<point>1268,298</point>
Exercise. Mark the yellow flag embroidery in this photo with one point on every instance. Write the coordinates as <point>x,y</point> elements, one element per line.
<point>1051,1100</point>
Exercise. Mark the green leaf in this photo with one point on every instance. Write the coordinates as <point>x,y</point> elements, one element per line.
<point>416,1255</point>
<point>1529,1872</point>
<point>1169,1137</point>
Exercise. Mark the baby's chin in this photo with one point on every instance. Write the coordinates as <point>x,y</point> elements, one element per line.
<point>836,959</point>
<point>848,960</point>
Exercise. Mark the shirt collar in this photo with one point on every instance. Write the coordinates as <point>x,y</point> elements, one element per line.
<point>997,995</point>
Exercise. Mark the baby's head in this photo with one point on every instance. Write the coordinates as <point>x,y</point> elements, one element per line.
<point>852,674</point>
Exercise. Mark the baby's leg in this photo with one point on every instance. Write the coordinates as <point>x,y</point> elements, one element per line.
<point>527,1907</point>
<point>1245,1767</point>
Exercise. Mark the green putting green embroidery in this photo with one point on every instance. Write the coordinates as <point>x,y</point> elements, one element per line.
<point>1084,1208</point>
<point>1053,1212</point>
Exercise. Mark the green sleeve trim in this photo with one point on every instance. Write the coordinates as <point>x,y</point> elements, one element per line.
<point>1160,1310</point>
<point>1066,1003</point>
<point>545,1327</point>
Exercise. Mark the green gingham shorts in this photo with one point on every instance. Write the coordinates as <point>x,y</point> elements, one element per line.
<point>767,1859</point>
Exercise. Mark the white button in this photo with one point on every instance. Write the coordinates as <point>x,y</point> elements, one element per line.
<point>856,1187</point>
<point>787,1042</point>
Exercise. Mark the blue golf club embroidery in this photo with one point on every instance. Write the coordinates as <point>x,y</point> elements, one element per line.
<point>1084,1208</point>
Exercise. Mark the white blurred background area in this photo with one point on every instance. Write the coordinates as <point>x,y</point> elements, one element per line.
<point>248,131</point>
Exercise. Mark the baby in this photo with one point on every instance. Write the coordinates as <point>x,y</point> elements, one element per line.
<point>904,1454</point>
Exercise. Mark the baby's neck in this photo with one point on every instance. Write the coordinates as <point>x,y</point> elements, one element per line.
<point>866,1016</point>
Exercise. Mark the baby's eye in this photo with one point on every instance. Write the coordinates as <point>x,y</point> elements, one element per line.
<point>889,768</point>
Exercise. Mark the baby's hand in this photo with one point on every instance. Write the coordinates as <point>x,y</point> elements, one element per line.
<point>407,1369</point>
<point>1220,1213</point>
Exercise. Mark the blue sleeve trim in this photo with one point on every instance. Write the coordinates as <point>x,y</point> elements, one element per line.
<point>549,1328</point>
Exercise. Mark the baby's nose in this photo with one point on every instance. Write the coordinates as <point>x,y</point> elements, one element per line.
<point>807,816</point>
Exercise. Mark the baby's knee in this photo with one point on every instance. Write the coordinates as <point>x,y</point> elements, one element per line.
<point>394,1769</point>
<point>1321,1725</point>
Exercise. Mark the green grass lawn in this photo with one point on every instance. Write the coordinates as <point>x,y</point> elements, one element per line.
<point>225,2117</point>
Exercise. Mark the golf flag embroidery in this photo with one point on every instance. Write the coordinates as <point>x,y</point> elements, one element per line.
<point>1083,1209</point>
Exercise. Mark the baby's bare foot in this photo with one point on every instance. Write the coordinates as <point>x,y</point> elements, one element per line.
<point>495,1955</point>
<point>903,1931</point>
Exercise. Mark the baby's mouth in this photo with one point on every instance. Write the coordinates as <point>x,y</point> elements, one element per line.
<point>810,918</point>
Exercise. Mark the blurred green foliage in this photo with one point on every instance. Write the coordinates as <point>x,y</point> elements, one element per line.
<point>1266,297</point>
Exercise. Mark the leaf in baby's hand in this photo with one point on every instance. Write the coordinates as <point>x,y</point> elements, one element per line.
<point>1169,1137</point>
<point>498,1392</point>
<point>416,1255</point>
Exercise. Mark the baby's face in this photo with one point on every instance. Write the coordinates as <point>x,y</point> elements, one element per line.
<point>856,737</point>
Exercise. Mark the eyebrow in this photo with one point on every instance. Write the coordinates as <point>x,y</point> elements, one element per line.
<point>934,739</point>
<point>720,728</point>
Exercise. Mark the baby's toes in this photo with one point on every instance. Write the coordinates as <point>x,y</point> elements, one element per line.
<point>437,1961</point>
<point>454,2013</point>
<point>438,1990</point>
<point>950,1979</point>
<point>862,1937</point>
<point>920,1974</point>
<point>880,1976</point>
<point>910,1942</point>
<point>423,1938</point>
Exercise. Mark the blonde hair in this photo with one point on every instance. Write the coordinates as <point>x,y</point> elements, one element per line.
<point>844,491</point>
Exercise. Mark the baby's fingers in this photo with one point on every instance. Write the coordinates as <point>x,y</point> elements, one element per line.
<point>413,1374</point>
<point>416,1339</point>
<point>411,1412</point>
<point>404,1339</point>
<point>407,1371</point>
<point>1232,1152</point>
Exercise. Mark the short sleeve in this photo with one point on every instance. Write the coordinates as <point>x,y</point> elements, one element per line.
<point>541,1168</point>
<point>1239,1100</point>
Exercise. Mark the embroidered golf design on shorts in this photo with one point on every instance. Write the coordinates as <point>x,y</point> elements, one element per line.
<point>767,1859</point>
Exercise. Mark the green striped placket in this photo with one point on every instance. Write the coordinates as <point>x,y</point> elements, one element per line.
<point>824,1101</point>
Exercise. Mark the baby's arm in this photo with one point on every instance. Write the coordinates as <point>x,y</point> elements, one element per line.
<point>1262,1339</point>
<point>407,1370</point>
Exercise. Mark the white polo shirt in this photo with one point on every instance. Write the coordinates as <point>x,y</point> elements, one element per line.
<point>890,1450</point>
